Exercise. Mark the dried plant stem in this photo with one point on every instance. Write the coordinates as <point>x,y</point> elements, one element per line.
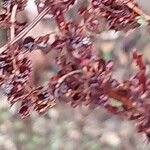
<point>137,10</point>
<point>66,76</point>
<point>128,102</point>
<point>27,29</point>
<point>13,19</point>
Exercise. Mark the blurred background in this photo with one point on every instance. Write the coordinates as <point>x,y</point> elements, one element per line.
<point>65,128</point>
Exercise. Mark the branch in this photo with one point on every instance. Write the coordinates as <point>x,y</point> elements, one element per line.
<point>137,10</point>
<point>27,29</point>
<point>13,19</point>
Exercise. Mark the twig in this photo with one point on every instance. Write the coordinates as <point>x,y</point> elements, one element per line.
<point>137,10</point>
<point>128,102</point>
<point>66,76</point>
<point>13,19</point>
<point>27,29</point>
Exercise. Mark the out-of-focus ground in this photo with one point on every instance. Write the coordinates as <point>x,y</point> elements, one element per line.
<point>65,128</point>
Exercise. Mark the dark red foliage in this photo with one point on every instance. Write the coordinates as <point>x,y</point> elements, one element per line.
<point>6,63</point>
<point>117,14</point>
<point>83,77</point>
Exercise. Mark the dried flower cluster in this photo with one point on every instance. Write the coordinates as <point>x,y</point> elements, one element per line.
<point>83,77</point>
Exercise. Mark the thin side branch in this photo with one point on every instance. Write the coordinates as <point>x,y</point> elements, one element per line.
<point>27,29</point>
<point>66,76</point>
<point>13,20</point>
<point>137,10</point>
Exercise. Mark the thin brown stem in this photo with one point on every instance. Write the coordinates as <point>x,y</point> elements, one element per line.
<point>66,76</point>
<point>128,102</point>
<point>27,29</point>
<point>13,20</point>
<point>138,10</point>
